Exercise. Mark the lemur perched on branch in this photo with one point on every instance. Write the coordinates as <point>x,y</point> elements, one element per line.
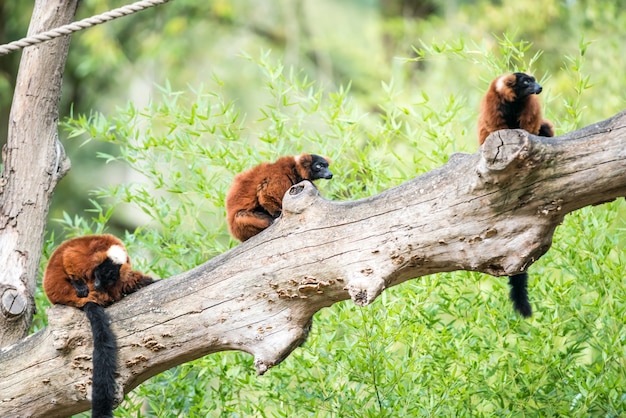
<point>255,198</point>
<point>511,103</point>
<point>90,273</point>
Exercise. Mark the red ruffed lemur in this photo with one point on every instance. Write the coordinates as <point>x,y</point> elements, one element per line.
<point>255,198</point>
<point>90,273</point>
<point>511,103</point>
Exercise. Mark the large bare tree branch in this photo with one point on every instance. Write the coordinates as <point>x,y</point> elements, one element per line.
<point>33,162</point>
<point>494,211</point>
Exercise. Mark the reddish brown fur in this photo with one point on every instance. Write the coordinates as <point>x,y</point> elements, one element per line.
<point>491,118</point>
<point>509,105</point>
<point>255,198</point>
<point>76,259</point>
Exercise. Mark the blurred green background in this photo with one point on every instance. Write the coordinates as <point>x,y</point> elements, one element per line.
<point>169,104</point>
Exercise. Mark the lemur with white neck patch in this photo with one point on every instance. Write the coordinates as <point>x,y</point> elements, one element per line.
<point>90,273</point>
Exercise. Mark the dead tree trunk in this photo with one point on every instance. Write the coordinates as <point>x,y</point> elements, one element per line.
<point>493,211</point>
<point>33,162</point>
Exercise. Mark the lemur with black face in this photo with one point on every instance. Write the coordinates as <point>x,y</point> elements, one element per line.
<point>90,273</point>
<point>511,103</point>
<point>255,199</point>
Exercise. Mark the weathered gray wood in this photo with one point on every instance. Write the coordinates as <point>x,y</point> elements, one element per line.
<point>493,211</point>
<point>33,162</point>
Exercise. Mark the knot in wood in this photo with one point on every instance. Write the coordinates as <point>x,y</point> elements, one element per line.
<point>504,147</point>
<point>62,163</point>
<point>13,302</point>
<point>299,197</point>
<point>363,290</point>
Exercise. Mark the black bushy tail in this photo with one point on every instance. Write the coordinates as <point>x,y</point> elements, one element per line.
<point>104,361</point>
<point>519,294</point>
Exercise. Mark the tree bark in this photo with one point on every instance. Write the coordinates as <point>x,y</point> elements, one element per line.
<point>33,162</point>
<point>493,211</point>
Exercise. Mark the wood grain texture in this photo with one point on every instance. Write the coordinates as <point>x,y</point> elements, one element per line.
<point>33,162</point>
<point>493,211</point>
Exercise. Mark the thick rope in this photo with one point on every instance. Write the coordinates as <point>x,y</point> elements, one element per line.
<point>80,25</point>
